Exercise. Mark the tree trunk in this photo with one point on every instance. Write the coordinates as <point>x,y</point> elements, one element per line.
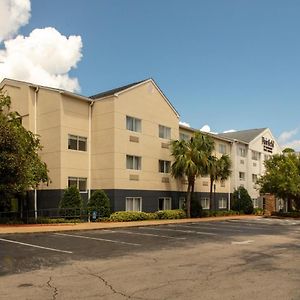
<point>211,189</point>
<point>188,200</point>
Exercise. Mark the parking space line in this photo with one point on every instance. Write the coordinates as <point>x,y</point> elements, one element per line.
<point>35,246</point>
<point>179,230</point>
<point>206,227</point>
<point>96,239</point>
<point>150,234</point>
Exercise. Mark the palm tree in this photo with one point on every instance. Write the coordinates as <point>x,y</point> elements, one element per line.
<point>191,160</point>
<point>218,170</point>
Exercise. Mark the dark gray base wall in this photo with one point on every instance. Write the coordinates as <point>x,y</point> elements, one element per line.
<point>49,199</point>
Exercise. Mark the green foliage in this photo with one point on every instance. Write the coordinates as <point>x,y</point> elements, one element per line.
<point>44,220</point>
<point>100,203</point>
<point>219,213</point>
<point>196,209</point>
<point>282,177</point>
<point>242,201</point>
<point>291,214</point>
<point>191,161</point>
<point>126,216</point>
<point>171,214</point>
<point>258,211</point>
<point>20,165</point>
<point>288,150</point>
<point>71,202</point>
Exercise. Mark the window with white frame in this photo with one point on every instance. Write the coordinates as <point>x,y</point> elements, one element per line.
<point>254,178</point>
<point>223,183</point>
<point>164,132</point>
<point>133,204</point>
<point>77,142</point>
<point>133,162</point>
<point>222,203</point>
<point>242,152</point>
<point>255,155</point>
<point>164,203</point>
<point>164,166</point>
<point>184,136</point>
<point>133,124</point>
<point>79,182</point>
<point>205,203</point>
<point>255,203</point>
<point>181,203</point>
<point>242,176</point>
<point>222,148</point>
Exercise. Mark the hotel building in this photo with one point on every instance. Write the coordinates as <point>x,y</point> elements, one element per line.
<point>119,141</point>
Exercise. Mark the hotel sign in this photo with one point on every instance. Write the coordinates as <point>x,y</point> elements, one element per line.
<point>268,144</point>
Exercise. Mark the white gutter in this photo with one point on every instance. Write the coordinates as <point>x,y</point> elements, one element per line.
<point>35,132</point>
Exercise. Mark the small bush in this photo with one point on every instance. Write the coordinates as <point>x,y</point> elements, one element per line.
<point>126,216</point>
<point>196,209</point>
<point>242,201</point>
<point>100,203</point>
<point>44,220</point>
<point>219,213</point>
<point>70,202</point>
<point>171,214</point>
<point>292,214</point>
<point>258,211</point>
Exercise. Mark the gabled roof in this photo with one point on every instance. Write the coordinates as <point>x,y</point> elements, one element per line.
<point>119,90</point>
<point>116,90</point>
<point>243,135</point>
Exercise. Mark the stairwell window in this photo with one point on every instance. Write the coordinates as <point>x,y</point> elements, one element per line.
<point>133,162</point>
<point>77,142</point>
<point>164,166</point>
<point>164,132</point>
<point>133,124</point>
<point>79,182</point>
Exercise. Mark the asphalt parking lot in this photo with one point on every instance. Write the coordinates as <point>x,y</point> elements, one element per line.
<point>233,259</point>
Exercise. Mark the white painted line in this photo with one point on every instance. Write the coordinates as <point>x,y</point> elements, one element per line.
<point>179,230</point>
<point>150,234</point>
<point>35,246</point>
<point>208,227</point>
<point>96,239</point>
<point>242,243</point>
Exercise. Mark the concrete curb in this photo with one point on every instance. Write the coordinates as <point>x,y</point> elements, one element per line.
<point>34,228</point>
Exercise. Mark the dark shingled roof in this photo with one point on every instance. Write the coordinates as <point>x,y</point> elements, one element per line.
<point>116,90</point>
<point>243,135</point>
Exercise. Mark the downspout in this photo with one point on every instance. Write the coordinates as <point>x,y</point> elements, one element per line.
<point>35,133</point>
<point>90,150</point>
<point>230,177</point>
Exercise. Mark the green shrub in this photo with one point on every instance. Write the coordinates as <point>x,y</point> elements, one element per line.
<point>242,201</point>
<point>196,209</point>
<point>258,211</point>
<point>219,213</point>
<point>71,202</point>
<point>291,214</point>
<point>45,220</point>
<point>100,203</point>
<point>171,214</point>
<point>126,216</point>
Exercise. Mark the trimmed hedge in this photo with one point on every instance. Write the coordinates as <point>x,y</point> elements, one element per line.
<point>292,214</point>
<point>126,216</point>
<point>219,213</point>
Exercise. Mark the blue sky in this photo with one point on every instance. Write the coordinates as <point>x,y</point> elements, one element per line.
<point>231,64</point>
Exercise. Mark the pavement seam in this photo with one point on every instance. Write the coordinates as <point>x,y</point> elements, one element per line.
<point>55,290</point>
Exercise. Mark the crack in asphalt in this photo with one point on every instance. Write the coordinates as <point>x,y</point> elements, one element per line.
<point>55,290</point>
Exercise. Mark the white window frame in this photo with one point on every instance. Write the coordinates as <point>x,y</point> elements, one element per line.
<point>242,152</point>
<point>181,202</point>
<point>255,155</point>
<point>242,178</point>
<point>166,164</point>
<point>167,203</point>
<point>134,204</point>
<point>255,202</point>
<point>78,179</point>
<point>133,124</point>
<point>184,136</point>
<point>78,139</point>
<point>254,178</point>
<point>136,162</point>
<point>164,132</point>
<point>205,201</point>
<point>222,203</point>
<point>222,149</point>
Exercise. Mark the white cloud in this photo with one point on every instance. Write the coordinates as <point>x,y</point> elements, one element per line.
<point>205,128</point>
<point>184,124</point>
<point>230,130</point>
<point>287,135</point>
<point>13,15</point>
<point>295,144</point>
<point>44,57</point>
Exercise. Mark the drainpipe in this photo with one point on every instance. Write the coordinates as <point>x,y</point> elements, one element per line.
<point>90,150</point>
<point>35,133</point>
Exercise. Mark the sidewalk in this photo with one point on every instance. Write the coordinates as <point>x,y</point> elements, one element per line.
<point>31,228</point>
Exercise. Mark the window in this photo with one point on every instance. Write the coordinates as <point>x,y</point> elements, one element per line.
<point>223,203</point>
<point>133,204</point>
<point>223,183</point>
<point>184,136</point>
<point>164,132</point>
<point>164,166</point>
<point>133,124</point>
<point>242,152</point>
<point>79,182</point>
<point>242,162</point>
<point>255,155</point>
<point>255,203</point>
<point>254,178</point>
<point>242,175</point>
<point>133,162</point>
<point>77,142</point>
<point>222,148</point>
<point>267,156</point>
<point>164,203</point>
<point>205,183</point>
<point>205,203</point>
<point>181,203</point>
